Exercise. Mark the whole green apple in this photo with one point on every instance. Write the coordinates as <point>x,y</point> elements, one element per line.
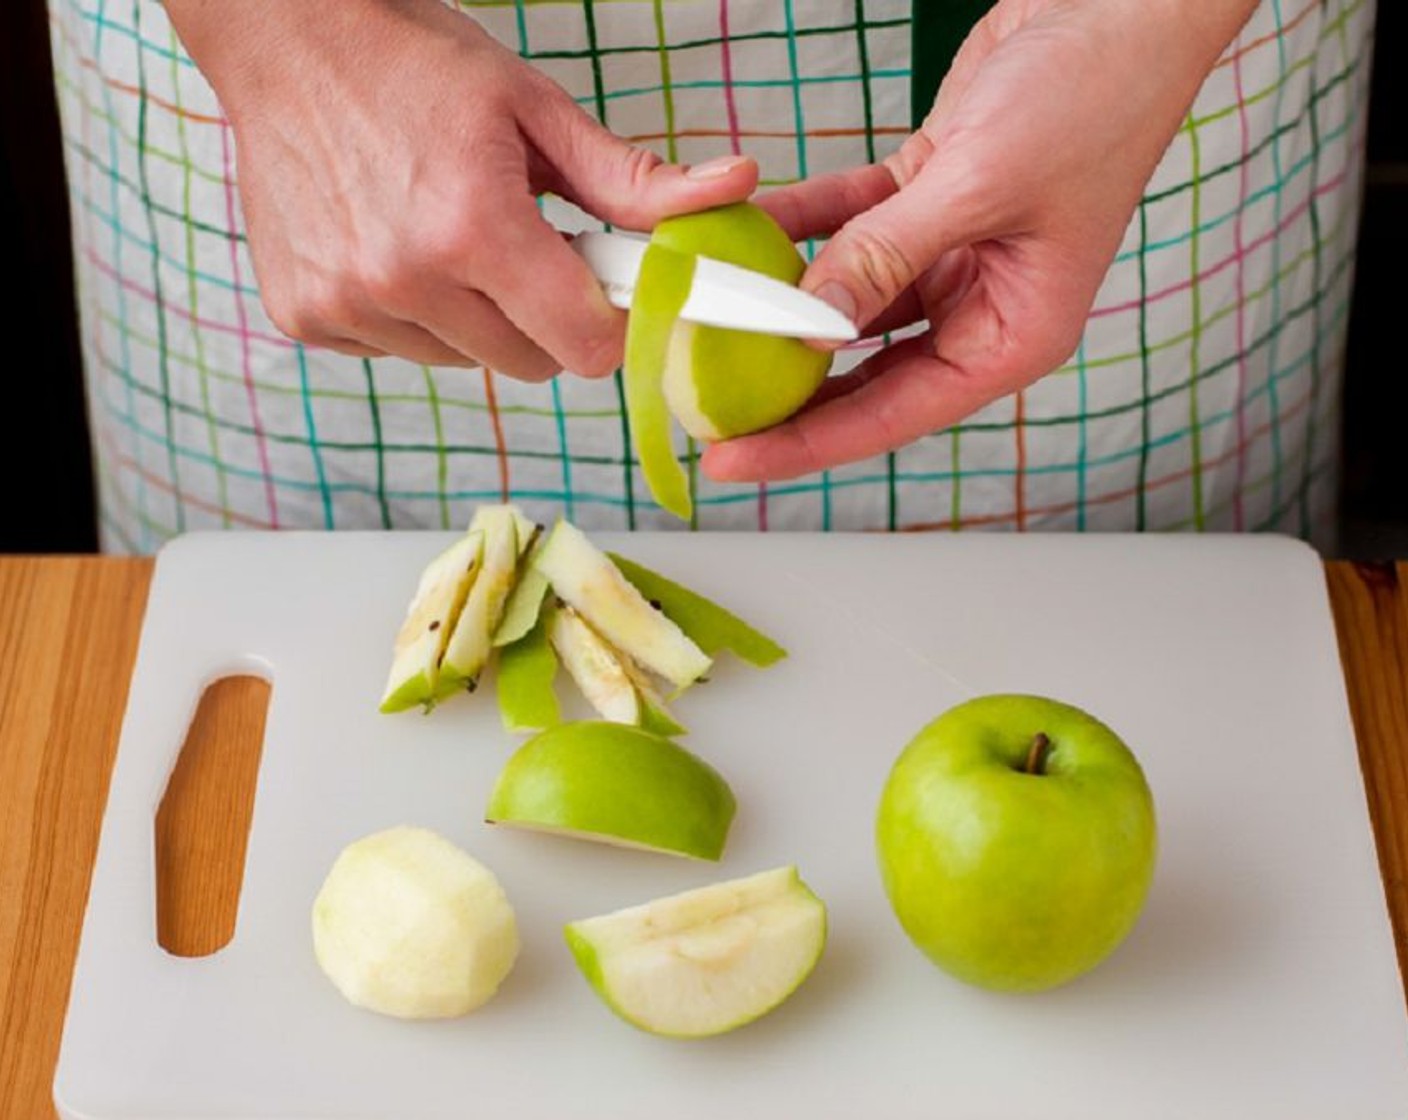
<point>1017,841</point>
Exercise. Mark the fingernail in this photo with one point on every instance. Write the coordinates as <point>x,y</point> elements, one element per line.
<point>715,168</point>
<point>839,297</point>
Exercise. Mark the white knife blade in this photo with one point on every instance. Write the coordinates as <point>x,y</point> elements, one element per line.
<point>722,294</point>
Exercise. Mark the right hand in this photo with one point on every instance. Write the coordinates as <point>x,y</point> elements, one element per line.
<point>389,158</point>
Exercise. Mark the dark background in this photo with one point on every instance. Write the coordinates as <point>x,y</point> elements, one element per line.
<point>44,459</point>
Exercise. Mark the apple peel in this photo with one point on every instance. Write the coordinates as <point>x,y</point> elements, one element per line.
<point>711,627</point>
<point>662,286</point>
<point>527,669</point>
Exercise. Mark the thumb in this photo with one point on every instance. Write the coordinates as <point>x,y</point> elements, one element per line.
<point>631,186</point>
<point>873,258</point>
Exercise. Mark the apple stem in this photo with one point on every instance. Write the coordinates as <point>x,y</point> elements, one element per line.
<point>1036,754</point>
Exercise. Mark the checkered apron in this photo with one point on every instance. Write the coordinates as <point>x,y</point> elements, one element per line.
<point>1203,394</point>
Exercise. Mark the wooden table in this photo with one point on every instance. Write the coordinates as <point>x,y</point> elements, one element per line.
<point>68,636</point>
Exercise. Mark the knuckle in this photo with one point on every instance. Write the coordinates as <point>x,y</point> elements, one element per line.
<point>327,310</point>
<point>878,264</point>
<point>290,317</point>
<point>638,168</point>
<point>465,244</point>
<point>531,368</point>
<point>543,369</point>
<point>640,165</point>
<point>384,278</point>
<point>904,166</point>
<point>973,180</point>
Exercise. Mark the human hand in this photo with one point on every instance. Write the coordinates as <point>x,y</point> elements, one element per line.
<point>995,222</point>
<point>389,158</point>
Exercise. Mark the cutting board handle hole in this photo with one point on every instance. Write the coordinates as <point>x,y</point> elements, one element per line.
<point>202,823</point>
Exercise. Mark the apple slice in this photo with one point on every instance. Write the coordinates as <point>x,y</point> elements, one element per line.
<point>703,621</point>
<point>526,672</point>
<point>604,781</point>
<point>408,924</point>
<point>662,286</point>
<point>705,961</point>
<point>595,667</point>
<point>652,713</point>
<point>585,579</point>
<point>471,641</point>
<point>525,601</point>
<point>526,530</point>
<point>437,603</point>
<point>612,684</point>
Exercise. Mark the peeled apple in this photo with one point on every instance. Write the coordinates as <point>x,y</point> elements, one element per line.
<point>408,924</point>
<point>716,383</point>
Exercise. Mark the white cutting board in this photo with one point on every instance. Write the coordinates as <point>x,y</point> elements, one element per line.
<point>1260,982</point>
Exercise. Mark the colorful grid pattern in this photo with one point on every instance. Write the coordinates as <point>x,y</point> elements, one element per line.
<point>1203,395</point>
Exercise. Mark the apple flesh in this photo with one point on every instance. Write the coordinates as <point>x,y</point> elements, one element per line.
<point>708,960</point>
<point>409,925</point>
<point>525,601</point>
<point>594,665</point>
<point>1017,841</point>
<point>471,642</point>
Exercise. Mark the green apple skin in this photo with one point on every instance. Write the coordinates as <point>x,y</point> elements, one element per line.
<point>527,672</point>
<point>711,627</point>
<point>1010,880</point>
<point>662,287</point>
<point>613,783</point>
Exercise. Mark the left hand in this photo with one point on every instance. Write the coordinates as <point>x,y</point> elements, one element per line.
<point>995,222</point>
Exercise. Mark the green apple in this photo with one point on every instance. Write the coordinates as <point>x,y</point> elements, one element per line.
<point>420,642</point>
<point>708,960</point>
<point>708,625</point>
<point>585,578</point>
<point>716,383</point>
<point>1017,841</point>
<point>606,781</point>
<point>408,924</point>
<point>723,383</point>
